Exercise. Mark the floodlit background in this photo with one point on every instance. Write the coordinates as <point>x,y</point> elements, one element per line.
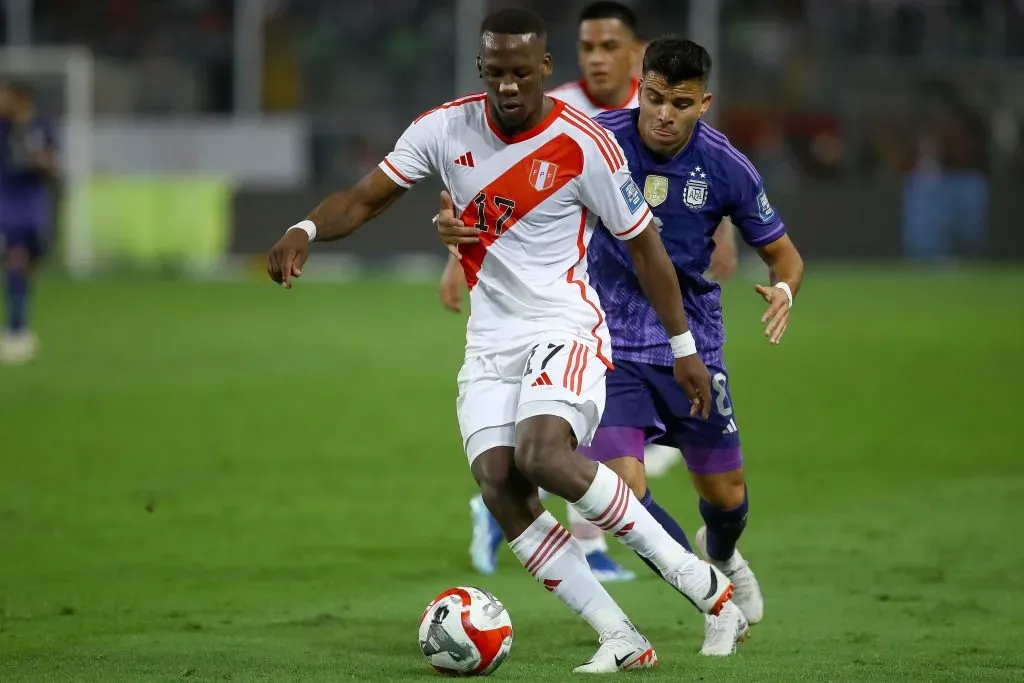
<point>204,477</point>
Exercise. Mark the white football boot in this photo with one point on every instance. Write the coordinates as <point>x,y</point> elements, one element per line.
<point>701,583</point>
<point>621,648</point>
<point>747,592</point>
<point>724,632</point>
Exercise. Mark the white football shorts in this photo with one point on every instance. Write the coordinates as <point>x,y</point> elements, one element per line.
<point>558,376</point>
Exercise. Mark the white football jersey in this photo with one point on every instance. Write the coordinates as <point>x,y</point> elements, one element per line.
<point>537,197</point>
<point>574,93</point>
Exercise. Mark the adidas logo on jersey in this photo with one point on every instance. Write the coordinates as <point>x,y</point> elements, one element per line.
<point>465,160</point>
<point>730,428</point>
<point>542,381</point>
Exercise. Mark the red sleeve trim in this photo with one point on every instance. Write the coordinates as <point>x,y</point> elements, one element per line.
<point>644,220</point>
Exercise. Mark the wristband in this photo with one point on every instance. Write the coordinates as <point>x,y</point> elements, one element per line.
<point>683,345</point>
<point>789,292</point>
<point>307,226</point>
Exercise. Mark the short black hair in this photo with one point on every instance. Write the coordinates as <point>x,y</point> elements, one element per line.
<point>677,60</point>
<point>22,89</point>
<point>514,21</point>
<point>607,9</point>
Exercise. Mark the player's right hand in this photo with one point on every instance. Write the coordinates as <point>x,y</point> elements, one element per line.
<point>452,286</point>
<point>453,232</point>
<point>694,378</point>
<point>287,257</point>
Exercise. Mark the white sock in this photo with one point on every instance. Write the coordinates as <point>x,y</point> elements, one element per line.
<point>543,495</point>
<point>610,504</point>
<point>551,555</point>
<point>590,537</point>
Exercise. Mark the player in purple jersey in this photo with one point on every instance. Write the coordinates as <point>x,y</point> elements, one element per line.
<point>692,179</point>
<point>27,165</point>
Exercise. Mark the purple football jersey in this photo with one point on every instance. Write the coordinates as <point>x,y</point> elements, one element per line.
<point>25,197</point>
<point>689,195</point>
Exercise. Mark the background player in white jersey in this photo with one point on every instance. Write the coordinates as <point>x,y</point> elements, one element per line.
<point>609,54</point>
<point>607,49</point>
<point>541,174</point>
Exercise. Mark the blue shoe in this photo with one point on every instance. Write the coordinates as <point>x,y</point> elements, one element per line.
<point>606,569</point>
<point>487,537</point>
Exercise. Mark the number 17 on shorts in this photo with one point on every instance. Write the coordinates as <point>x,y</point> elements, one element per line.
<point>569,372</point>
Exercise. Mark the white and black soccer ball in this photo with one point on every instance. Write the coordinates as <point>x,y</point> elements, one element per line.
<point>465,631</point>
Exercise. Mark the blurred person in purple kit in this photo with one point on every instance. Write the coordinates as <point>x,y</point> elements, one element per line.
<point>27,167</point>
<point>692,178</point>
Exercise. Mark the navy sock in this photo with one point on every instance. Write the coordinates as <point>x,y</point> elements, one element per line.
<point>667,522</point>
<point>724,528</point>
<point>17,299</point>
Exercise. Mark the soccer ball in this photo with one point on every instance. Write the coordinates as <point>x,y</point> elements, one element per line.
<point>465,632</point>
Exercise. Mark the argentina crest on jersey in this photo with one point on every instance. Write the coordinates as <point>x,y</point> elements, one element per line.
<point>695,193</point>
<point>655,189</point>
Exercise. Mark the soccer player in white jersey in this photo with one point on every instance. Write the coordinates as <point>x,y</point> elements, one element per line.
<point>607,50</point>
<point>608,55</point>
<point>534,174</point>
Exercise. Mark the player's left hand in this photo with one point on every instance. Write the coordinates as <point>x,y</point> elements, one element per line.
<point>453,232</point>
<point>776,318</point>
<point>693,376</point>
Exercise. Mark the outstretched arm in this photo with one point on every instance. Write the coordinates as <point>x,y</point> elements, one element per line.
<point>784,263</point>
<point>786,273</point>
<point>337,216</point>
<point>416,155</point>
<point>342,212</point>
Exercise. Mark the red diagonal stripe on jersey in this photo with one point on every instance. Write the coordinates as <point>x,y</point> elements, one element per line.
<point>469,159</point>
<point>514,184</point>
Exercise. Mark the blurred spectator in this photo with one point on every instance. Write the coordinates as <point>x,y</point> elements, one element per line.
<point>946,192</point>
<point>365,69</point>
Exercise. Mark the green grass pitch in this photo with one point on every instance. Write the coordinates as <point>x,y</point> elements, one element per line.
<point>227,481</point>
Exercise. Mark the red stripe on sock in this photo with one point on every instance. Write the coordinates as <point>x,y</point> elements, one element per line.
<point>557,540</point>
<point>543,544</point>
<point>615,508</point>
<point>619,512</point>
